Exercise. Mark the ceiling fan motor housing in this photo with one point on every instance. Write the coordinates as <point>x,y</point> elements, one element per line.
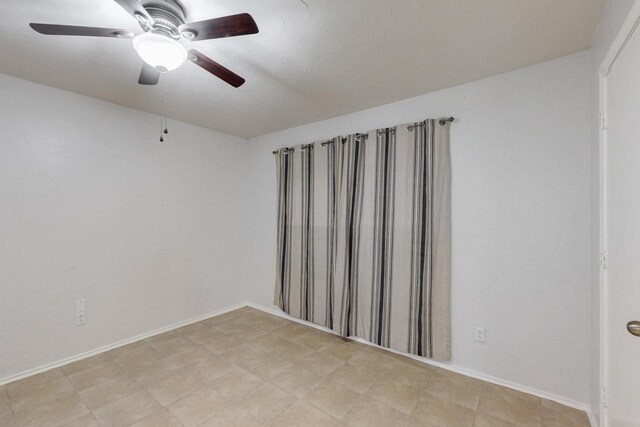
<point>167,14</point>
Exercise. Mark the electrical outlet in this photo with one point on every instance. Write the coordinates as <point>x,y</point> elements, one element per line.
<point>81,305</point>
<point>81,318</point>
<point>480,335</point>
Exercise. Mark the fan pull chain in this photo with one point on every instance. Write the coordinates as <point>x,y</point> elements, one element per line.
<point>162,109</point>
<point>166,131</point>
<point>163,120</point>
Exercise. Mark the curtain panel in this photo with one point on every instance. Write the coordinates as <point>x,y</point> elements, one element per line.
<point>364,236</point>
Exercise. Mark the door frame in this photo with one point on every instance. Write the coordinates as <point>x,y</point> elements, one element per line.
<point>630,24</point>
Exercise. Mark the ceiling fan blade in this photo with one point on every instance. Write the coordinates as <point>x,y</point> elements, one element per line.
<point>148,76</point>
<point>214,68</point>
<point>74,30</point>
<point>135,9</point>
<point>227,26</point>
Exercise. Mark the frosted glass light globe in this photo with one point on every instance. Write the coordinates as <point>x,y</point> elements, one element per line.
<point>161,52</point>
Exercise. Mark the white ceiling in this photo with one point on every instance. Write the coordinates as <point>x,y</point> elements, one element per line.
<point>312,60</point>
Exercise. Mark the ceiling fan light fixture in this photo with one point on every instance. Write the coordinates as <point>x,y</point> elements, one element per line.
<point>161,52</point>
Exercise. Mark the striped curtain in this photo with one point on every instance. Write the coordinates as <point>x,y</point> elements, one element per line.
<point>364,236</point>
<point>308,178</point>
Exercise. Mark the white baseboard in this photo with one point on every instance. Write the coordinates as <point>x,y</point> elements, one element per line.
<point>488,378</point>
<point>592,419</point>
<point>121,343</point>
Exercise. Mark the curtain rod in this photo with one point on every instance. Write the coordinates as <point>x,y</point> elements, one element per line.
<point>420,124</point>
<point>322,144</point>
<point>365,135</point>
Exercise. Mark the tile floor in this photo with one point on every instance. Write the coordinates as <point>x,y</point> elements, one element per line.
<point>248,368</point>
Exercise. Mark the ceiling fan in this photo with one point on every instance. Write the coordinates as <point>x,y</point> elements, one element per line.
<point>163,22</point>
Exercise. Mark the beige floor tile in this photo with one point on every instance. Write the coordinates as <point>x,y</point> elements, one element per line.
<point>557,415</point>
<point>270,323</point>
<point>451,391</point>
<point>188,356</point>
<point>484,420</point>
<point>84,364</point>
<point>297,380</point>
<point>224,414</point>
<point>304,414</point>
<point>192,328</point>
<point>163,337</point>
<point>357,378</point>
<point>174,344</point>
<point>52,413</point>
<point>154,371</point>
<point>371,413</point>
<point>230,325</point>
<point>236,383</point>
<point>439,412</point>
<point>340,349</point>
<point>265,403</point>
<point>214,321</point>
<point>5,408</point>
<point>266,365</point>
<point>417,363</point>
<point>321,363</point>
<point>494,389</point>
<point>196,406</point>
<point>126,349</point>
<point>108,393</point>
<point>158,418</point>
<point>92,377</point>
<point>127,410</point>
<point>250,313</point>
<point>333,398</point>
<point>515,410</point>
<point>223,343</point>
<point>203,334</point>
<point>374,360</point>
<point>289,330</point>
<point>252,316</point>
<point>462,380</point>
<point>242,352</point>
<point>138,359</point>
<point>314,338</point>
<point>290,350</point>
<point>6,421</point>
<point>395,394</point>
<point>245,330</point>
<point>175,386</point>
<point>272,342</point>
<point>210,369</point>
<point>87,420</point>
<point>30,398</point>
<point>421,363</point>
<point>411,375</point>
<point>15,388</point>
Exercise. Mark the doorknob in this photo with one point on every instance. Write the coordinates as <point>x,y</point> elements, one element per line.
<point>634,327</point>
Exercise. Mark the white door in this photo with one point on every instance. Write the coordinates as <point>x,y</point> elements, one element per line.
<point>622,231</point>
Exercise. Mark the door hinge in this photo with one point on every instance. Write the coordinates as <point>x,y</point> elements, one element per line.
<point>604,259</point>
<point>603,120</point>
<point>603,397</point>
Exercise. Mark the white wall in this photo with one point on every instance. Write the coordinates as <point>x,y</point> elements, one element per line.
<point>613,16</point>
<point>93,206</point>
<point>521,239</point>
